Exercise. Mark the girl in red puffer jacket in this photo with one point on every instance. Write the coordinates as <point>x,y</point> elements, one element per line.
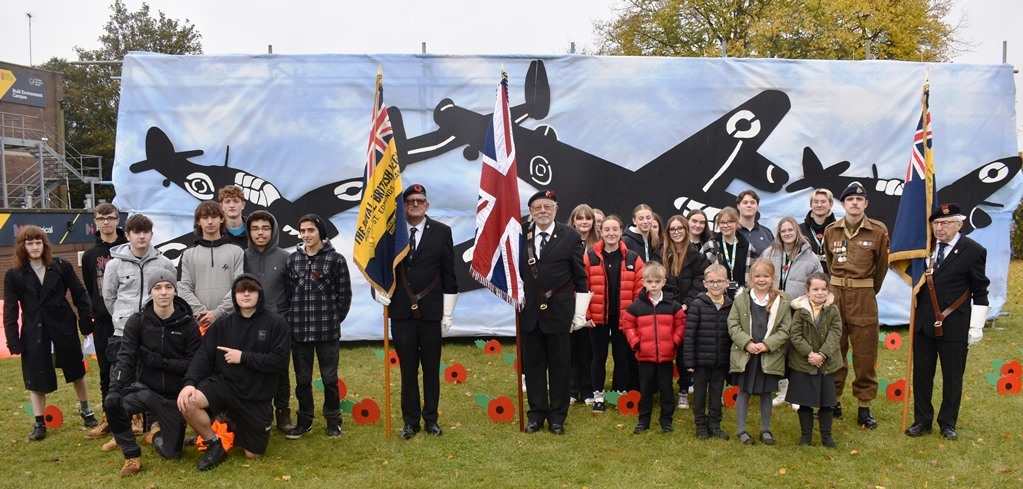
<point>654,325</point>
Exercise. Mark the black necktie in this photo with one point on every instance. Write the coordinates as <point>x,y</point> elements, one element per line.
<point>543,242</point>
<point>412,240</point>
<point>941,254</point>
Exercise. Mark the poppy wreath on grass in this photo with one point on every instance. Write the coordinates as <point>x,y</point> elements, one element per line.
<point>730,395</point>
<point>366,412</point>
<point>627,403</point>
<point>454,373</point>
<point>52,417</point>
<point>894,391</point>
<point>499,409</point>
<point>893,341</point>
<point>492,347</point>
<point>342,388</point>
<point>1011,368</point>
<point>392,357</point>
<point>1009,384</point>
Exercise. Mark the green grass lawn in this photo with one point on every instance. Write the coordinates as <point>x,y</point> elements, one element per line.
<point>599,450</point>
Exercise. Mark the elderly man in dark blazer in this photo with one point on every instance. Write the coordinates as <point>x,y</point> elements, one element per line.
<point>554,284</point>
<point>421,309</point>
<point>946,323</point>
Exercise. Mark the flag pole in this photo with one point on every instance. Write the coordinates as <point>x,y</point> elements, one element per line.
<point>387,377</point>
<point>909,364</point>
<point>518,371</point>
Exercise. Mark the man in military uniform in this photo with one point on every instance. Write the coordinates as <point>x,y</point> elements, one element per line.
<point>856,249</point>
<point>945,332</point>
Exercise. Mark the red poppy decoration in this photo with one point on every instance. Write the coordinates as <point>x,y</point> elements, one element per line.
<point>392,359</point>
<point>896,391</point>
<point>366,412</point>
<point>893,341</point>
<point>492,347</point>
<point>674,371</point>
<point>342,389</point>
<point>1009,384</point>
<point>501,410</point>
<point>53,418</point>
<point>628,404</point>
<point>455,374</point>
<point>731,394</point>
<point>86,363</point>
<point>1012,368</point>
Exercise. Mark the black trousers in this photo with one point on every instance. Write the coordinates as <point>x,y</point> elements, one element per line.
<point>581,381</point>
<point>282,399</point>
<point>625,373</point>
<point>326,354</point>
<point>927,351</point>
<point>101,333</point>
<point>418,343</point>
<point>656,378</point>
<point>168,441</point>
<point>708,386</point>
<point>546,364</point>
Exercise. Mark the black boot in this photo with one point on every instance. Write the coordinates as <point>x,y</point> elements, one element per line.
<point>38,431</point>
<point>284,422</point>
<point>825,417</point>
<point>215,454</point>
<point>805,427</point>
<point>865,419</point>
<point>837,410</point>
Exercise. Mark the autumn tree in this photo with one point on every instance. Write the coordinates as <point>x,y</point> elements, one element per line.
<point>91,91</point>
<point>798,29</point>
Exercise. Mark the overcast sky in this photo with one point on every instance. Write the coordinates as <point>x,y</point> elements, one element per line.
<point>447,26</point>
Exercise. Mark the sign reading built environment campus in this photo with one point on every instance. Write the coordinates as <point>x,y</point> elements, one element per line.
<point>612,132</point>
<point>20,87</point>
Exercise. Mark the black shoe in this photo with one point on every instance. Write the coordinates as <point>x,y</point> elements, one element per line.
<point>702,432</point>
<point>718,432</point>
<point>557,428</point>
<point>433,428</point>
<point>865,419</point>
<point>333,429</point>
<point>284,422</point>
<point>949,433</point>
<point>409,431</point>
<point>640,428</point>
<point>90,418</point>
<point>299,430</point>
<point>598,407</point>
<point>767,438</point>
<point>215,454</point>
<point>918,429</point>
<point>745,438</point>
<point>38,432</point>
<point>666,428</point>
<point>837,411</point>
<point>533,427</point>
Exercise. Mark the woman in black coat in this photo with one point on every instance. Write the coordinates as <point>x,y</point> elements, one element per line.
<point>685,266</point>
<point>38,283</point>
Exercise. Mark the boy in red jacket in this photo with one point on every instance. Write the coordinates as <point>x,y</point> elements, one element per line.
<point>654,325</point>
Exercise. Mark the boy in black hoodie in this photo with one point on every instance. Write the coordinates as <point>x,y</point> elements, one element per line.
<point>156,349</point>
<point>240,355</point>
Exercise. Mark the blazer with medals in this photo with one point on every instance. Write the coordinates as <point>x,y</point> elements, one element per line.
<point>434,259</point>
<point>962,270</point>
<point>560,266</point>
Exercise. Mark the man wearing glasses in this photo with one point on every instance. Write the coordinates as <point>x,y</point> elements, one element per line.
<point>945,323</point>
<point>94,263</point>
<point>551,262</point>
<point>856,248</point>
<point>421,310</point>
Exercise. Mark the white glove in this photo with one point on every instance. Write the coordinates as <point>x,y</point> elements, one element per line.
<point>582,303</point>
<point>978,315</point>
<point>382,298</point>
<point>447,320</point>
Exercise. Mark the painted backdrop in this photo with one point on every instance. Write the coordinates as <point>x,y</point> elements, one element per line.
<point>609,131</point>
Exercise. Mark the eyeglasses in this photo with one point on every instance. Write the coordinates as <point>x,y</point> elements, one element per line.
<point>543,207</point>
<point>950,222</point>
<point>676,230</point>
<point>107,219</point>
<point>265,229</point>
<point>411,202</point>
<point>715,283</point>
<point>726,223</point>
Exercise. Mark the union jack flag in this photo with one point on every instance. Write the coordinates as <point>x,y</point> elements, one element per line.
<point>381,234</point>
<point>495,256</point>
<point>911,236</point>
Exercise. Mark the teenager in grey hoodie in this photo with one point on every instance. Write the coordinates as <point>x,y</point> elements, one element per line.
<point>123,279</point>
<point>269,263</point>
<point>209,268</point>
